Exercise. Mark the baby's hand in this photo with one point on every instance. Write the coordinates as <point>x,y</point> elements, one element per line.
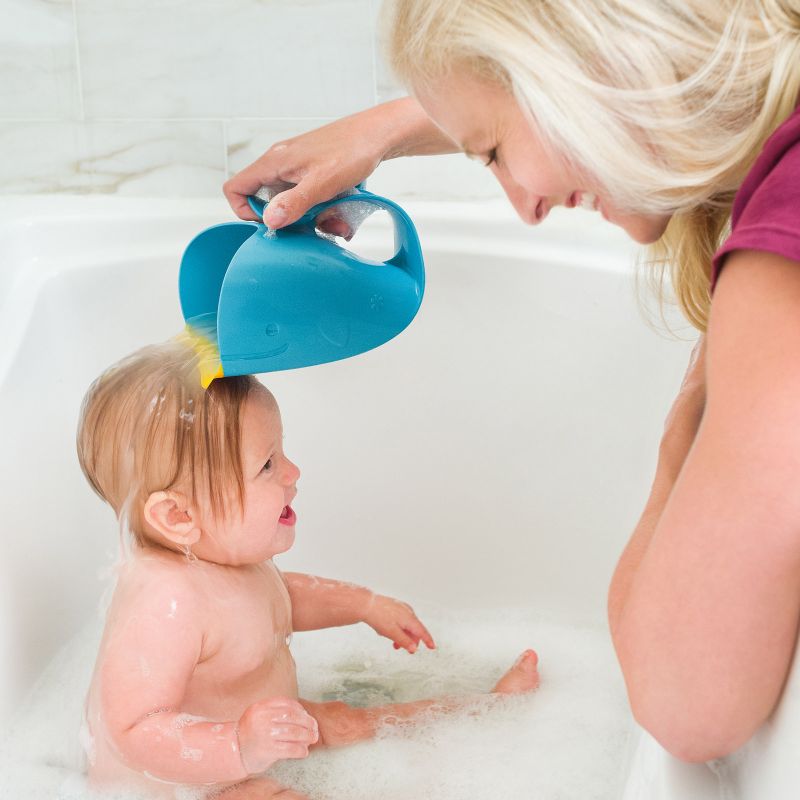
<point>274,729</point>
<point>398,622</point>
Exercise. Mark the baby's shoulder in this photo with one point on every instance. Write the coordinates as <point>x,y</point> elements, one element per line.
<point>160,584</point>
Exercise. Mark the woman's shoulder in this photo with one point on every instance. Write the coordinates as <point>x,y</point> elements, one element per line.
<point>773,183</point>
<point>767,207</point>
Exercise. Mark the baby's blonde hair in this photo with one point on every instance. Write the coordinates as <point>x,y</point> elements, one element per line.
<point>147,425</point>
<point>663,103</point>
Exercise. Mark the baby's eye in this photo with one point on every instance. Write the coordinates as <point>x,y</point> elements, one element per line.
<point>268,466</point>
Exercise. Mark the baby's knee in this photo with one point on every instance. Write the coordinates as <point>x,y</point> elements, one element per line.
<point>342,724</point>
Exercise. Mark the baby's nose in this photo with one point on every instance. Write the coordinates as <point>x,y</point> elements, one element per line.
<point>291,472</point>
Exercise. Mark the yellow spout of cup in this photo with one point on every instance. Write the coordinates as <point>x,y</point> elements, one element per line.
<point>205,347</point>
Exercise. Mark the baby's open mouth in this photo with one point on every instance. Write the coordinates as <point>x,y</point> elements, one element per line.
<point>288,517</point>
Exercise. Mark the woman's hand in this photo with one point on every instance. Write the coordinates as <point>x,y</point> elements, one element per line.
<point>316,166</point>
<point>397,621</point>
<point>308,169</point>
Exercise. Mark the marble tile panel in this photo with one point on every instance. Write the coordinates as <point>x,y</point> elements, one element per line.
<point>225,58</point>
<point>247,139</point>
<point>387,86</point>
<point>38,74</point>
<point>130,158</point>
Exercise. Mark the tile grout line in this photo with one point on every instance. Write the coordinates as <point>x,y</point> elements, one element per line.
<point>78,70</point>
<point>225,164</point>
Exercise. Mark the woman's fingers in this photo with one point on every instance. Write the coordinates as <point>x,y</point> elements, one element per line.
<point>329,222</point>
<point>312,167</point>
<point>290,204</point>
<point>247,183</point>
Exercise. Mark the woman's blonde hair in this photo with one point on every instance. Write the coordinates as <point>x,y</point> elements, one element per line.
<point>147,425</point>
<point>663,103</point>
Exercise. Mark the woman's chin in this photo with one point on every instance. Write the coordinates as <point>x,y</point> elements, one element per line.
<point>642,229</point>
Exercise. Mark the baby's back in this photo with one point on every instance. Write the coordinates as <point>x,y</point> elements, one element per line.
<point>193,637</point>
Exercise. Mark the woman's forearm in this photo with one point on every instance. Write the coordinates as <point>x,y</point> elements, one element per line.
<point>408,131</point>
<point>319,164</point>
<point>680,431</point>
<point>637,545</point>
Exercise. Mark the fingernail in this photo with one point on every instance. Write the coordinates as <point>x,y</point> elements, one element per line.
<point>277,215</point>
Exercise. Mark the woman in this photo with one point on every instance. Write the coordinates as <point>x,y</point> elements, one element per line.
<point>666,116</point>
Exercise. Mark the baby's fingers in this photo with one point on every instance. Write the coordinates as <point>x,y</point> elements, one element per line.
<point>421,632</point>
<point>405,640</point>
<point>416,630</point>
<point>299,718</point>
<point>294,734</point>
<point>291,750</point>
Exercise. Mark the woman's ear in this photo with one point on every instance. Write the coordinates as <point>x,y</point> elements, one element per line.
<point>171,514</point>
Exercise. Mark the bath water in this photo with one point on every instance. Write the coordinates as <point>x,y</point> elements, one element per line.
<point>567,741</point>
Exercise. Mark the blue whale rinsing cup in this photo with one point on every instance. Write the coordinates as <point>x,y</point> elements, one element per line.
<point>258,300</point>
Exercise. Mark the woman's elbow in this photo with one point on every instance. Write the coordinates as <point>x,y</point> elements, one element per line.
<point>689,731</point>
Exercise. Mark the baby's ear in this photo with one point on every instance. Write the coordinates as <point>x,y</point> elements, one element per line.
<point>171,514</point>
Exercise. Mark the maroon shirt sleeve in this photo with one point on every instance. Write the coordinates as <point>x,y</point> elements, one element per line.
<point>766,210</point>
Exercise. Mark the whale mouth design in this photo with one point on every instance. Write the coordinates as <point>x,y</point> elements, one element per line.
<point>275,351</point>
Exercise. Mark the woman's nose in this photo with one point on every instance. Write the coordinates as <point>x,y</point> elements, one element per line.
<point>523,201</point>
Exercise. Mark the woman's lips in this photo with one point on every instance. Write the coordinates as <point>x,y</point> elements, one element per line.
<point>288,517</point>
<point>587,200</point>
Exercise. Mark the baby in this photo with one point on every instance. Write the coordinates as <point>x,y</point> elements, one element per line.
<point>194,681</point>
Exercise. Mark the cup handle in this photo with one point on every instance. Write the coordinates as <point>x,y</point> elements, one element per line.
<point>258,205</point>
<point>408,252</point>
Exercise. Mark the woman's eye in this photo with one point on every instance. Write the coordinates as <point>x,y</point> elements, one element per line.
<point>492,157</point>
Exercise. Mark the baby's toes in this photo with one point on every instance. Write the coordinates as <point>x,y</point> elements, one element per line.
<point>522,677</point>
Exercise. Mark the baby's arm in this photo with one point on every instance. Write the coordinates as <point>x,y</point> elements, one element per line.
<point>146,666</point>
<point>326,603</point>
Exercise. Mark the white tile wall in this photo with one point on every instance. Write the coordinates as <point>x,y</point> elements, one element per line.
<point>225,58</point>
<point>386,86</point>
<point>38,74</point>
<point>135,157</point>
<point>247,139</point>
<point>169,97</point>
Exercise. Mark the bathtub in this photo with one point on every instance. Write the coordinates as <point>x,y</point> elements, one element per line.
<point>495,455</point>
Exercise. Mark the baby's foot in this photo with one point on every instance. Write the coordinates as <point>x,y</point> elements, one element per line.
<point>522,677</point>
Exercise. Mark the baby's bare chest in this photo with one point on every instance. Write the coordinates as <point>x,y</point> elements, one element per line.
<point>250,625</point>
